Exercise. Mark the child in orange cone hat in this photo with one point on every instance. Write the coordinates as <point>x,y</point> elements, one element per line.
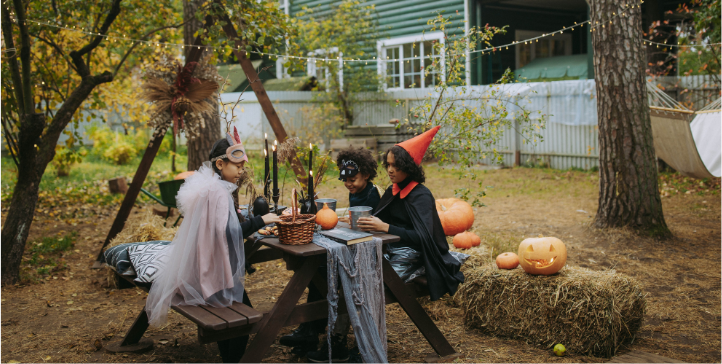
<point>408,209</point>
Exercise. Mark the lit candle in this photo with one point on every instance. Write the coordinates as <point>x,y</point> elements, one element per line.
<point>265,174</point>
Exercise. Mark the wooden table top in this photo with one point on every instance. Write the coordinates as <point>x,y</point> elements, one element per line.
<point>313,249</point>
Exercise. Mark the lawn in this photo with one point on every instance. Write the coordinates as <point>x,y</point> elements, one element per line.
<point>66,312</point>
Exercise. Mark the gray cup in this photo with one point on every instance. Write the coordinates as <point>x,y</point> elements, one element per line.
<point>328,201</point>
<point>358,211</point>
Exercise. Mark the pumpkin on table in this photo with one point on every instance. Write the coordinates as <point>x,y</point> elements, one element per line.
<point>465,240</point>
<point>327,218</point>
<point>456,215</point>
<point>542,256</point>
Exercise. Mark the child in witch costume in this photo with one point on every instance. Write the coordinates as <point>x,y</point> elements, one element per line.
<point>357,169</point>
<point>206,260</point>
<point>408,210</point>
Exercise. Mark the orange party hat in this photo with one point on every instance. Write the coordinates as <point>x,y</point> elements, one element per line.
<point>417,146</point>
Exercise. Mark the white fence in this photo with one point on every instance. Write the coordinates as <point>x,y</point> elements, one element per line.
<point>569,140</point>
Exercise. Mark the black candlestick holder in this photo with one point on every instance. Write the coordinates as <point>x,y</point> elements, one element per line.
<point>275,200</point>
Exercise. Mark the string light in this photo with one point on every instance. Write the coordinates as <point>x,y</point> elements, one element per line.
<point>116,39</point>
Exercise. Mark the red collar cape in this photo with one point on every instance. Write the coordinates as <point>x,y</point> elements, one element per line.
<point>405,192</point>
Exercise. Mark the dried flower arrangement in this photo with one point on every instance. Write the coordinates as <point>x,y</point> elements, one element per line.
<point>181,95</point>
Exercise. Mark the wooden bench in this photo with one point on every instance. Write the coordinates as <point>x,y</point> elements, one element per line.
<point>340,144</point>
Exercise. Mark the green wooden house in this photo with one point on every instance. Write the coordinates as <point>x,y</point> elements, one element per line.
<point>564,56</point>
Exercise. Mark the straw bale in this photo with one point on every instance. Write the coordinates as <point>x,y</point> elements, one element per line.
<point>144,226</point>
<point>590,312</point>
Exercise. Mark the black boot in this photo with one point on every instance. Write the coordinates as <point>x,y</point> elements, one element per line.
<point>304,336</point>
<point>339,351</point>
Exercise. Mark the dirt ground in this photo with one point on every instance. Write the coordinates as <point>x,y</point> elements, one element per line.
<point>68,315</point>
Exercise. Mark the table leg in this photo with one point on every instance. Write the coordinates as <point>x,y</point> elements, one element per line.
<point>414,310</point>
<point>274,321</point>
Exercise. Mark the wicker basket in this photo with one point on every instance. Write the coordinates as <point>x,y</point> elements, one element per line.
<point>296,233</point>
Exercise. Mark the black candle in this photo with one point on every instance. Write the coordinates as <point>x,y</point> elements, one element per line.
<point>266,168</point>
<point>275,166</point>
<point>310,178</point>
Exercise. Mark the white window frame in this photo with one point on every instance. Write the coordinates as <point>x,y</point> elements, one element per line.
<point>521,35</point>
<point>285,5</point>
<point>322,54</point>
<point>383,45</point>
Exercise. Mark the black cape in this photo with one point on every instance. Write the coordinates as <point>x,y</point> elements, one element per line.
<point>442,269</point>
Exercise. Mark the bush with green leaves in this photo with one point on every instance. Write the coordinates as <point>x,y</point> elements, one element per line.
<point>115,147</point>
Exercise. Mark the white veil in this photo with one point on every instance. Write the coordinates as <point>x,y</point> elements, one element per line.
<point>206,264</point>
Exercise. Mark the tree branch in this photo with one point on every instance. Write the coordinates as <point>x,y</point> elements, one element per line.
<point>117,68</point>
<point>24,57</point>
<point>77,56</point>
<point>7,29</point>
<point>55,46</point>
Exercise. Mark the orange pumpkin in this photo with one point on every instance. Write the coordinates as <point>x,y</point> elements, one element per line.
<point>463,240</point>
<point>475,240</point>
<point>456,215</point>
<point>327,218</point>
<point>507,261</point>
<point>542,256</point>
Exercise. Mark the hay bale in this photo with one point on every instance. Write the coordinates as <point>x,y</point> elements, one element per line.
<point>144,226</point>
<point>590,312</point>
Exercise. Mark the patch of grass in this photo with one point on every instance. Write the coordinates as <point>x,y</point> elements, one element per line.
<point>45,256</point>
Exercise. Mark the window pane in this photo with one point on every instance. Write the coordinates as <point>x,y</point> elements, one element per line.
<point>428,48</point>
<point>559,47</point>
<point>412,81</point>
<point>524,54</point>
<point>541,48</point>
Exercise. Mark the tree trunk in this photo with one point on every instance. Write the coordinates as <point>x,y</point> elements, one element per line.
<point>25,197</point>
<point>200,147</point>
<point>628,191</point>
<point>34,154</point>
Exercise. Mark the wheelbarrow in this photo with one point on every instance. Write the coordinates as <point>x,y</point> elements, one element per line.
<point>168,191</point>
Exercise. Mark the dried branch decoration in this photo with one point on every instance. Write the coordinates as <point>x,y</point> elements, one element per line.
<point>181,95</point>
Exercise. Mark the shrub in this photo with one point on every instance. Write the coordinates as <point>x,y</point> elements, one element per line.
<point>117,147</point>
<point>64,159</point>
<point>120,153</point>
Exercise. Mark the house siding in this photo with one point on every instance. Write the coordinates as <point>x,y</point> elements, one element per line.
<point>397,18</point>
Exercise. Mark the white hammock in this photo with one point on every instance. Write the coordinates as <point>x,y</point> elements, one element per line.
<point>689,142</point>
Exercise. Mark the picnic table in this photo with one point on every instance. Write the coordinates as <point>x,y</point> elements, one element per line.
<point>215,324</point>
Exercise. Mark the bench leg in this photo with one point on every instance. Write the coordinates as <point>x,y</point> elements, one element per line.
<point>414,310</point>
<point>233,349</point>
<point>136,331</point>
<point>272,323</point>
<point>132,342</point>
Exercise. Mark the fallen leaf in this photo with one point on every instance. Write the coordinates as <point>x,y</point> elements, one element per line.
<point>162,341</point>
<point>70,302</point>
<point>97,344</point>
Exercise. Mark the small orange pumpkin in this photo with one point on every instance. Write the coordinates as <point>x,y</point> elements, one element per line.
<point>507,261</point>
<point>463,240</point>
<point>456,215</point>
<point>542,256</point>
<point>475,240</point>
<point>327,218</point>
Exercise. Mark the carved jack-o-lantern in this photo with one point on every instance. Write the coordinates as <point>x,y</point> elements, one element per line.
<point>543,256</point>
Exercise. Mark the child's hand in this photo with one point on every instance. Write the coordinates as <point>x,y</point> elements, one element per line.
<point>372,223</point>
<point>270,218</point>
<point>344,219</point>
